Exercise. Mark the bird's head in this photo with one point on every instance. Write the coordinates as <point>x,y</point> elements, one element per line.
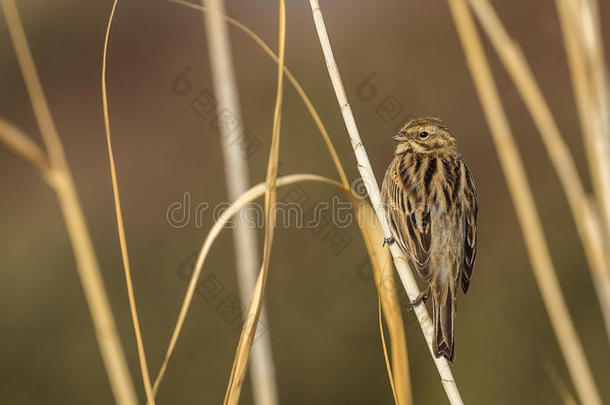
<point>424,136</point>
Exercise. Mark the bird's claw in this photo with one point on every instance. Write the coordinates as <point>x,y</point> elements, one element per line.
<point>387,241</point>
<point>421,297</point>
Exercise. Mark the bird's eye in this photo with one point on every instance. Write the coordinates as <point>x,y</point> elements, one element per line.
<point>423,135</point>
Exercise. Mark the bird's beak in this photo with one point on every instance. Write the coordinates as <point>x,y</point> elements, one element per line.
<point>398,135</point>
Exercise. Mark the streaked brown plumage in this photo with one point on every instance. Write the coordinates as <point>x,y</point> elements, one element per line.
<point>430,198</point>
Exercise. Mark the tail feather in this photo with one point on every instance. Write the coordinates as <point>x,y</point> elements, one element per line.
<point>443,327</point>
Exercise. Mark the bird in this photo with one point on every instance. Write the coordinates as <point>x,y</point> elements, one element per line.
<point>430,199</point>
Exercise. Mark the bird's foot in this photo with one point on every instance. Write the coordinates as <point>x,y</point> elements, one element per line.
<point>387,241</point>
<point>422,297</point>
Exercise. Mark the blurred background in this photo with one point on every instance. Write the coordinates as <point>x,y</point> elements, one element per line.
<point>321,300</point>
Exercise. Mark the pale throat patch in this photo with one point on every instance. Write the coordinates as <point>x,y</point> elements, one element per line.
<point>404,147</point>
<point>414,147</point>
<point>417,148</point>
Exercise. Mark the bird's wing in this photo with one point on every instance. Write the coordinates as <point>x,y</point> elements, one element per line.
<point>470,228</point>
<point>410,220</point>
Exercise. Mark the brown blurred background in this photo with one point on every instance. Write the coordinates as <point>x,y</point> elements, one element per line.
<point>321,303</point>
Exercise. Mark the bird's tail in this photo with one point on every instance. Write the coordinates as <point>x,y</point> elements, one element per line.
<point>443,313</point>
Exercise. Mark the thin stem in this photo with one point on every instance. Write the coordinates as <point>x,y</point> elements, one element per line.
<point>252,194</point>
<point>587,223</point>
<point>587,71</point>
<point>120,225</point>
<point>523,201</point>
<point>291,79</point>
<point>23,146</point>
<point>262,370</point>
<point>61,181</point>
<point>252,316</point>
<point>368,177</point>
<point>399,354</point>
<point>383,272</point>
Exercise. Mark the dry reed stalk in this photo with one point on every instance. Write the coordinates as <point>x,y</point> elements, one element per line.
<point>250,195</point>
<point>120,225</point>
<point>62,183</point>
<point>523,201</point>
<point>601,93</point>
<point>314,114</point>
<point>591,25</point>
<point>384,346</point>
<point>24,147</point>
<point>582,41</point>
<point>560,385</point>
<point>594,49</point>
<point>378,263</point>
<point>262,370</point>
<point>246,338</point>
<point>195,277</point>
<point>368,178</point>
<point>401,376</point>
<point>383,272</point>
<point>591,234</point>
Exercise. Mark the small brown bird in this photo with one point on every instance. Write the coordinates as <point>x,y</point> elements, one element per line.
<point>431,202</point>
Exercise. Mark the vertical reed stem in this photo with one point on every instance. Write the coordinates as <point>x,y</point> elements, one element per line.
<point>523,201</point>
<point>61,181</point>
<point>583,210</point>
<point>262,370</point>
<point>372,188</point>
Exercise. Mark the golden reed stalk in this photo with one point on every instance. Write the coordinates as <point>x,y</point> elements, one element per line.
<point>245,244</point>
<point>60,179</point>
<point>368,178</point>
<point>120,225</point>
<point>581,206</point>
<point>582,41</point>
<point>523,201</point>
<point>399,368</point>
<point>246,338</point>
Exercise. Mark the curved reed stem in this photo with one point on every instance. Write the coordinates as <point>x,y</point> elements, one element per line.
<point>248,331</point>
<point>245,244</point>
<point>400,375</point>
<point>21,144</point>
<point>291,79</point>
<point>62,183</point>
<point>120,225</point>
<point>250,195</point>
